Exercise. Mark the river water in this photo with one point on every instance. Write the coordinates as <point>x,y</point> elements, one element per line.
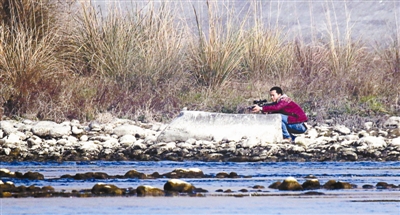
<point>353,201</point>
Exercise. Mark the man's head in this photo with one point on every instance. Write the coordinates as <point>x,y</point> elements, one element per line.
<point>275,93</point>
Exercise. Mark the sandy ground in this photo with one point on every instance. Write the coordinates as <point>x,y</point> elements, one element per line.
<point>371,20</point>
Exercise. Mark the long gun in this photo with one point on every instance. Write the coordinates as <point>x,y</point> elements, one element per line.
<point>260,103</point>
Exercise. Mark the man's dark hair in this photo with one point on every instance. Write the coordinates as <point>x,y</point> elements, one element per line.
<point>277,89</point>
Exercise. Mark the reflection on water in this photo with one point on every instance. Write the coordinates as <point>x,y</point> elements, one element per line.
<point>359,200</point>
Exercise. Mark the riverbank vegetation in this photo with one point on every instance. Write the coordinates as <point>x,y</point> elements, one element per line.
<point>71,60</point>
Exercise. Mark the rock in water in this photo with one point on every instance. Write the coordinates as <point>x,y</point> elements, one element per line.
<point>290,183</point>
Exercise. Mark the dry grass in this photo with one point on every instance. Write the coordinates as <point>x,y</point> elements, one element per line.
<point>267,53</point>
<point>30,60</point>
<point>147,64</point>
<point>214,58</point>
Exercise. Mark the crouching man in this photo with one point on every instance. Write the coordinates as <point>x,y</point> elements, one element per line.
<point>293,116</point>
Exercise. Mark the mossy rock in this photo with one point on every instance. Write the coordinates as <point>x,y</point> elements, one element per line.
<point>145,190</point>
<point>290,183</point>
<point>275,185</point>
<point>311,184</point>
<point>222,175</point>
<point>384,185</point>
<point>185,173</point>
<point>6,194</point>
<point>100,175</point>
<point>233,175</point>
<point>135,174</point>
<point>7,187</point>
<point>337,185</point>
<point>48,189</point>
<point>33,176</point>
<point>106,189</point>
<point>176,185</point>
<point>88,175</point>
<point>329,184</point>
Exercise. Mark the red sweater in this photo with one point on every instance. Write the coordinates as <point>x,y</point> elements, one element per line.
<point>286,106</point>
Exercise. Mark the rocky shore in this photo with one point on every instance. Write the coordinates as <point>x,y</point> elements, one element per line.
<point>122,139</point>
<point>174,186</point>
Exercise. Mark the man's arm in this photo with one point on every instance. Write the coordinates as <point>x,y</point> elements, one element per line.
<point>280,105</point>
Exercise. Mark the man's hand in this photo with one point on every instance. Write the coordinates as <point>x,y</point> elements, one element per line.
<point>256,109</point>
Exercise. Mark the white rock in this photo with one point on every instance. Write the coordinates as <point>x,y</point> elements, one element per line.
<point>297,149</point>
<point>312,133</point>
<point>150,139</point>
<point>346,143</point>
<point>139,145</point>
<point>108,128</point>
<point>43,128</point>
<point>7,151</point>
<point>13,139</point>
<point>75,122</point>
<point>351,137</point>
<point>396,141</point>
<point>303,141</point>
<point>273,150</point>
<point>90,146</point>
<point>167,147</point>
<point>51,149</point>
<point>7,127</point>
<point>111,143</point>
<point>101,138</point>
<point>34,140</point>
<point>35,147</point>
<point>62,142</point>
<point>129,129</point>
<point>158,127</point>
<point>363,148</point>
<point>49,128</point>
<point>350,153</point>
<point>24,128</point>
<point>322,128</point>
<point>363,134</point>
<point>250,142</point>
<point>51,142</point>
<point>127,139</point>
<point>72,139</point>
<point>191,141</point>
<point>60,130</point>
<point>373,142</point>
<point>383,133</point>
<point>84,138</point>
<point>76,131</point>
<point>185,145</point>
<point>368,125</point>
<point>95,126</point>
<point>108,151</point>
<point>393,121</point>
<point>21,135</point>
<point>27,121</point>
<point>342,129</point>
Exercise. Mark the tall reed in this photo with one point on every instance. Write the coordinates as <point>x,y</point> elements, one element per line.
<point>137,48</point>
<point>267,55</point>
<point>215,55</point>
<point>30,56</point>
<point>138,52</point>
